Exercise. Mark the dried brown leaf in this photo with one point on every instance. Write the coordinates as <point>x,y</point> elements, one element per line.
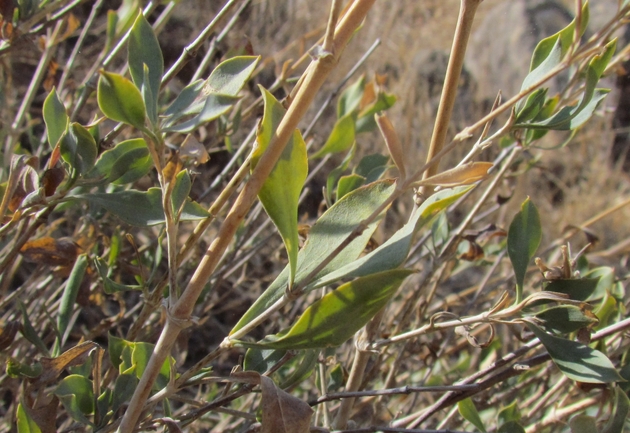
<point>462,175</point>
<point>282,412</point>
<point>51,179</point>
<point>50,251</point>
<point>7,333</point>
<point>53,367</point>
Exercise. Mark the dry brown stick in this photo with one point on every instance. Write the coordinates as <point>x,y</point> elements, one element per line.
<point>467,11</point>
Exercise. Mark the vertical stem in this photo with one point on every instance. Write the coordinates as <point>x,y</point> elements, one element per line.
<point>467,11</point>
<point>178,315</point>
<point>361,358</point>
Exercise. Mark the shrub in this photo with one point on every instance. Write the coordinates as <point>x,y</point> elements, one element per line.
<point>128,261</point>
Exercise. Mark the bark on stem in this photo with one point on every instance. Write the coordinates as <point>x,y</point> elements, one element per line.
<point>467,11</point>
<point>178,316</point>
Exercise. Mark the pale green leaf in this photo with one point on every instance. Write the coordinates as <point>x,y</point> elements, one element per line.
<point>524,237</point>
<point>25,424</point>
<point>229,77</point>
<point>392,253</point>
<point>55,117</point>
<point>120,100</point>
<point>214,106</point>
<point>144,51</point>
<point>141,208</point>
<point>125,163</point>
<point>337,316</point>
<point>76,394</point>
<point>280,193</point>
<point>576,360</point>
<point>349,183</point>
<point>619,416</point>
<point>583,424</point>
<point>468,410</point>
<point>351,98</point>
<point>183,103</point>
<point>78,148</point>
<point>70,292</point>
<point>341,138</point>
<point>332,228</point>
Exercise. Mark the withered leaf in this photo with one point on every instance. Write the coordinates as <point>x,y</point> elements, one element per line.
<point>7,333</point>
<point>282,412</point>
<point>75,356</point>
<point>51,179</point>
<point>50,251</point>
<point>44,414</point>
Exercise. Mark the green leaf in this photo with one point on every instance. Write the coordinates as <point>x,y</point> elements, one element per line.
<point>365,121</point>
<point>334,175</point>
<point>392,253</point>
<point>350,99</point>
<point>124,387</point>
<point>533,105</point>
<point>115,347</point>
<point>78,148</point>
<point>578,290</point>
<point>523,239</point>
<point>109,285</point>
<point>25,424</point>
<point>325,236</point>
<point>214,106</point>
<point>140,355</point>
<point>77,396</point>
<point>183,104</point>
<point>229,77</point>
<point>338,315</point>
<point>509,413</point>
<point>23,371</point>
<point>125,163</point>
<point>306,360</point>
<point>81,387</point>
<point>341,138</point>
<point>141,208</point>
<point>120,100</point>
<point>371,162</point>
<point>349,183</point>
<point>144,49</point>
<point>131,166</point>
<point>619,416</point>
<point>565,318</point>
<point>262,360</point>
<point>564,38</point>
<point>30,333</point>
<point>181,189</point>
<point>583,424</point>
<point>280,193</point>
<point>69,296</point>
<point>468,410</point>
<point>511,427</point>
<point>547,56</point>
<point>55,117</point>
<point>576,360</point>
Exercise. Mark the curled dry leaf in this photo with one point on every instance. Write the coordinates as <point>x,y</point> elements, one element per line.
<point>281,412</point>
<point>52,367</point>
<point>462,175</point>
<point>193,152</point>
<point>392,142</point>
